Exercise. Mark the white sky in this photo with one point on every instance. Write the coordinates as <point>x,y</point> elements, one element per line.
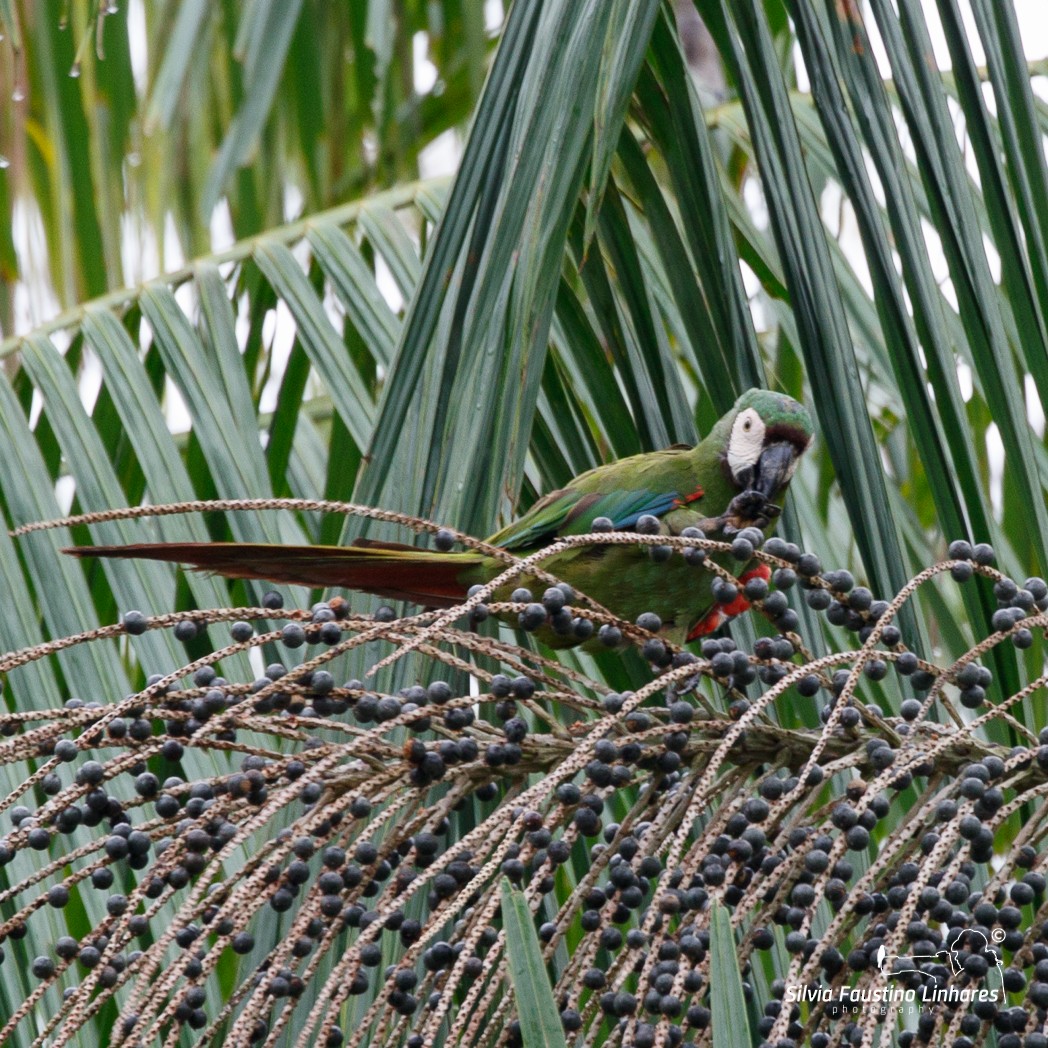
<point>35,300</point>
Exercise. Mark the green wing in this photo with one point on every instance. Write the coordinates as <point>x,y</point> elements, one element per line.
<point>570,512</point>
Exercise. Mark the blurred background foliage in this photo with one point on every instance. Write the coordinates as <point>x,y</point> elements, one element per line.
<point>232,263</point>
<point>141,133</point>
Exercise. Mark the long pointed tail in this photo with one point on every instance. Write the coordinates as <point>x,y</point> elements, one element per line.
<point>424,577</point>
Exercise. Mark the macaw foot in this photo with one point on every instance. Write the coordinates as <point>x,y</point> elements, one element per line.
<point>749,509</point>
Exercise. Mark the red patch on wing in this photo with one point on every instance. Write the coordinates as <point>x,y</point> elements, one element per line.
<point>693,497</point>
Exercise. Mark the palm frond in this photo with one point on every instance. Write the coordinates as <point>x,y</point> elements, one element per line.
<point>614,260</point>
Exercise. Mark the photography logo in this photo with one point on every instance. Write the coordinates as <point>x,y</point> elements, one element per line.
<point>884,993</point>
<point>950,956</point>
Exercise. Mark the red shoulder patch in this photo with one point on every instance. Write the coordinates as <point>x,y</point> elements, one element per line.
<point>693,497</point>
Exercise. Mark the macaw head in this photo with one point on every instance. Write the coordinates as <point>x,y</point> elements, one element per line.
<point>765,435</point>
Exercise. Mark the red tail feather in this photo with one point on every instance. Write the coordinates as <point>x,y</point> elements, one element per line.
<point>399,573</point>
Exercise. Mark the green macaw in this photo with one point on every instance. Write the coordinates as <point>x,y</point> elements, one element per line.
<point>736,477</point>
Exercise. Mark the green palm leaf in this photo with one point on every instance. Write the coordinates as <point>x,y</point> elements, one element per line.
<point>616,256</point>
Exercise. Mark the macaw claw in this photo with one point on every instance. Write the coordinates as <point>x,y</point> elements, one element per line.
<point>748,509</point>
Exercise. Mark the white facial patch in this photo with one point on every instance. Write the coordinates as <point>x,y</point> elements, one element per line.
<point>746,441</point>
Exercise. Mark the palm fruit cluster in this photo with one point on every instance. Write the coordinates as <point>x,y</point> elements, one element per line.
<point>301,857</point>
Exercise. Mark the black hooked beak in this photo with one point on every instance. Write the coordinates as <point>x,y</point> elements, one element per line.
<point>774,468</point>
